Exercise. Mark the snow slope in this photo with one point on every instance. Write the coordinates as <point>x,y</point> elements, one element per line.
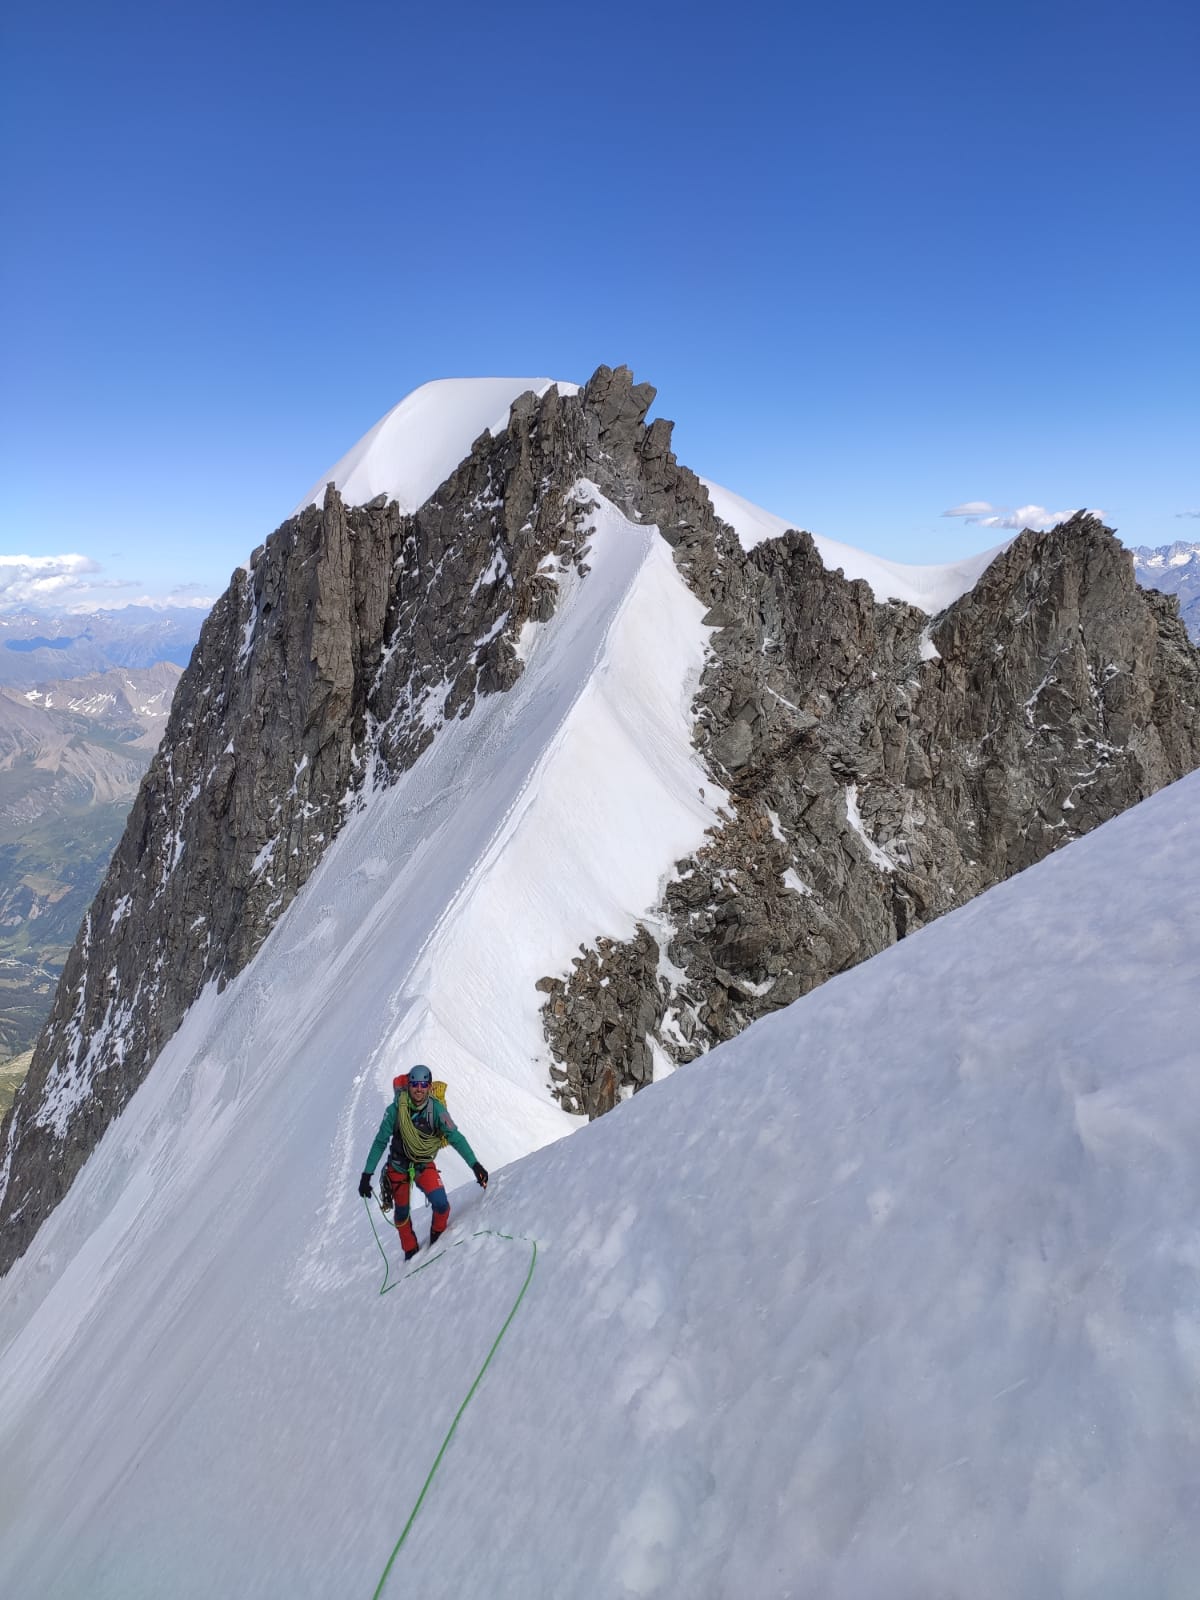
<point>897,1294</point>
<point>462,884</point>
<point>930,588</point>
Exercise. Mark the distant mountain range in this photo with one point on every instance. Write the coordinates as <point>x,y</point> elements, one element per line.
<point>1173,569</point>
<point>83,703</point>
<point>46,644</point>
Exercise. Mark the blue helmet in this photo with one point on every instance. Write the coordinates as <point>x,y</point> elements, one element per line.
<point>420,1078</point>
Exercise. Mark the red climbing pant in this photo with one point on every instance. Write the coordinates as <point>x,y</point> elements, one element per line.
<point>429,1181</point>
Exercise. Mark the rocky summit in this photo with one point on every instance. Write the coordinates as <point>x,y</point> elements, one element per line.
<point>881,765</point>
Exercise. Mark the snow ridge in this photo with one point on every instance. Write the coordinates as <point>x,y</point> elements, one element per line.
<point>929,588</point>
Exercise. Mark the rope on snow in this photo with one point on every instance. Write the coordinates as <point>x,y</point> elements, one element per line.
<point>384,1289</point>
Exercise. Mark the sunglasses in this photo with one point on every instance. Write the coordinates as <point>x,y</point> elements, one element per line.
<point>418,1084</point>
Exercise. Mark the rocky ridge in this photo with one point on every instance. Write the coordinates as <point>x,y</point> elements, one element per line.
<point>881,768</point>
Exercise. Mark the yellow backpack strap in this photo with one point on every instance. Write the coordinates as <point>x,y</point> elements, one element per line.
<point>439,1093</point>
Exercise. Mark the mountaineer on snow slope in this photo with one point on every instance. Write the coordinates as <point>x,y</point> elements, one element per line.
<point>418,1126</point>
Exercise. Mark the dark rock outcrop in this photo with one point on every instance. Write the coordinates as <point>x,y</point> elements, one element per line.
<point>603,1020</point>
<point>882,767</point>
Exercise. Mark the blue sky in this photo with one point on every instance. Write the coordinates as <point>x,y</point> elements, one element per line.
<point>880,261</point>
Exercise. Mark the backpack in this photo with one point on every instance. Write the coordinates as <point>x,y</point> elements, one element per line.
<point>438,1091</point>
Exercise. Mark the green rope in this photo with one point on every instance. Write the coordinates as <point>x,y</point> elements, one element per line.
<point>482,1233</point>
<point>385,1287</point>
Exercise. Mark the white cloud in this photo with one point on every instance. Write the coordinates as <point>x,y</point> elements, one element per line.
<point>1187,513</point>
<point>985,515</point>
<point>28,580</point>
<point>187,597</point>
<point>971,508</point>
<point>71,582</point>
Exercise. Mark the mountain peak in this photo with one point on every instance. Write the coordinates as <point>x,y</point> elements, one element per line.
<point>793,728</point>
<point>552,783</point>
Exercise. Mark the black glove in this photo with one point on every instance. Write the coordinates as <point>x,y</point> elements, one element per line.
<point>364,1186</point>
<point>480,1175</point>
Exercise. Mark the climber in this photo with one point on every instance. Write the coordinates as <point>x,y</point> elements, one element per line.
<point>418,1125</point>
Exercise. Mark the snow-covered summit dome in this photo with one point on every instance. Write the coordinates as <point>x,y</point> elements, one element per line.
<point>418,444</point>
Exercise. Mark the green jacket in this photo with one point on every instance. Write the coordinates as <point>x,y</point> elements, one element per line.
<point>432,1118</point>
